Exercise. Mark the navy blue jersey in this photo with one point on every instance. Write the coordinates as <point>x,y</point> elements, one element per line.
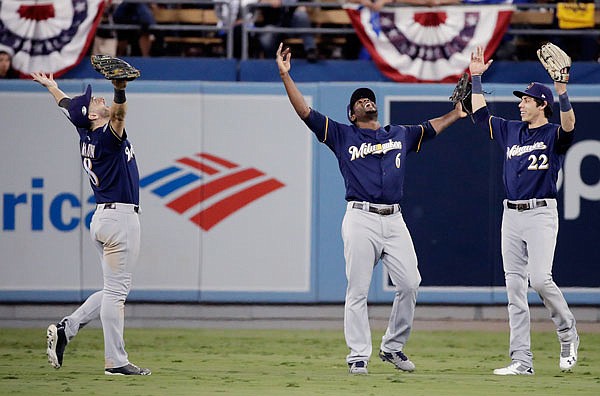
<point>372,162</point>
<point>110,164</point>
<point>532,156</point>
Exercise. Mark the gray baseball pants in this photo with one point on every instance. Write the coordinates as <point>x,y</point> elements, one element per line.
<point>528,243</point>
<point>116,234</point>
<point>369,237</point>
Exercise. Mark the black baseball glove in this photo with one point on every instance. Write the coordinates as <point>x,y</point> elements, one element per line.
<point>462,94</point>
<point>114,68</point>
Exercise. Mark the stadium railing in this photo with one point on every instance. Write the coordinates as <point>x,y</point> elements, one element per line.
<point>326,13</point>
<point>182,25</point>
<point>528,19</point>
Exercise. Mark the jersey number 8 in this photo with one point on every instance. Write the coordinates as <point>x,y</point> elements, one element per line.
<point>87,166</point>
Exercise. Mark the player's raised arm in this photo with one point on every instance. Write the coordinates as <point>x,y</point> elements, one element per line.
<point>118,110</point>
<point>119,73</point>
<point>47,80</point>
<point>558,65</point>
<point>567,115</point>
<point>283,58</point>
<point>443,122</point>
<point>477,67</point>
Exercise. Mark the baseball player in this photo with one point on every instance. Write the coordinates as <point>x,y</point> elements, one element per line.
<point>534,152</point>
<point>372,160</point>
<point>109,160</point>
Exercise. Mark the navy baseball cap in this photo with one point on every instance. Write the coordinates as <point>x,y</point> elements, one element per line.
<point>538,91</point>
<point>79,109</point>
<point>358,94</point>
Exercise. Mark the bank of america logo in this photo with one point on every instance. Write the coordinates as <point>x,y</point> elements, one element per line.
<point>222,186</point>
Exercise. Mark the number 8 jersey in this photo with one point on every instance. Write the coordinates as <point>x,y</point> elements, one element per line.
<point>109,161</point>
<point>532,156</point>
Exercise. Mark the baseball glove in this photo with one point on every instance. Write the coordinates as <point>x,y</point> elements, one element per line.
<point>556,62</point>
<point>462,94</point>
<point>114,68</point>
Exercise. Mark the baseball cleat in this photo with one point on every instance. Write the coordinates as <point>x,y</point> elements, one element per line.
<point>128,369</point>
<point>56,342</point>
<point>515,368</point>
<point>359,367</point>
<point>398,359</point>
<point>568,355</point>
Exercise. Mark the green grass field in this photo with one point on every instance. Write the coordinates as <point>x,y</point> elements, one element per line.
<point>303,362</point>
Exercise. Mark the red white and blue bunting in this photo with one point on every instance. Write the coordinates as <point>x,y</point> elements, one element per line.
<point>416,44</point>
<point>50,35</point>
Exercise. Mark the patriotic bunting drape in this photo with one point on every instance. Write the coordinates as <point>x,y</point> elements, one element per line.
<point>48,35</point>
<point>416,44</point>
<point>408,44</point>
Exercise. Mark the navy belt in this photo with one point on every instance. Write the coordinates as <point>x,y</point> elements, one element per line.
<point>113,205</point>
<point>527,205</point>
<point>380,211</point>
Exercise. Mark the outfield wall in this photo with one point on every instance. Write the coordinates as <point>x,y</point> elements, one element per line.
<point>267,228</point>
<point>265,70</point>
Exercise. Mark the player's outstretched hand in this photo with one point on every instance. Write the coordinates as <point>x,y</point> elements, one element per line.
<point>284,57</point>
<point>46,80</point>
<point>460,111</point>
<point>478,66</point>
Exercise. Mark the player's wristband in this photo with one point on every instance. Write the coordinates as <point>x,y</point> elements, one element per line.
<point>476,84</point>
<point>563,100</point>
<point>119,97</point>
